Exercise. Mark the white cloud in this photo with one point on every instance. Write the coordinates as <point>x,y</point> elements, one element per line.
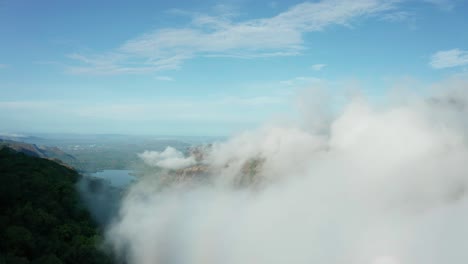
<point>170,158</point>
<point>384,185</point>
<point>164,78</point>
<point>449,58</point>
<point>318,67</point>
<point>220,35</point>
<point>3,66</point>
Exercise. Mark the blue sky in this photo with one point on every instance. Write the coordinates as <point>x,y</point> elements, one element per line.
<point>211,68</point>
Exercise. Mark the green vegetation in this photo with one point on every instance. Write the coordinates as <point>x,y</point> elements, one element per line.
<point>41,217</point>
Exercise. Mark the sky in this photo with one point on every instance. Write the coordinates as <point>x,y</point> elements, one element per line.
<point>211,68</point>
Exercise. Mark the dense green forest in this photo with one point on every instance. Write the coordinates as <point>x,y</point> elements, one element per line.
<point>42,219</point>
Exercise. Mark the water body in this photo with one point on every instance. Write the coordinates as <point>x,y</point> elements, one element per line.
<point>102,192</point>
<point>116,178</point>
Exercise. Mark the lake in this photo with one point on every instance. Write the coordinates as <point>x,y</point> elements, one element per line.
<point>117,178</point>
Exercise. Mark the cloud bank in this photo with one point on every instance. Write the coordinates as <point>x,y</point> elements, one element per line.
<point>380,185</point>
<point>170,158</point>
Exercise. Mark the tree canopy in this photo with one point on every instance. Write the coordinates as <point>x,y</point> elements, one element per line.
<point>42,219</point>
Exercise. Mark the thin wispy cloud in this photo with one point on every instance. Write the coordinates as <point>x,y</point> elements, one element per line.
<point>273,4</point>
<point>301,81</point>
<point>449,58</point>
<point>118,63</point>
<point>252,101</point>
<point>221,35</point>
<point>318,67</point>
<point>164,78</point>
<point>446,5</point>
<point>398,16</point>
<point>188,109</point>
<point>3,66</point>
<point>28,105</point>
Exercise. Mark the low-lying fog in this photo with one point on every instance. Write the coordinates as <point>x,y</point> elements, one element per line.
<point>363,185</point>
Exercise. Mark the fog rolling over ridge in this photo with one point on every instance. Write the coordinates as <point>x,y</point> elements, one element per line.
<point>364,185</point>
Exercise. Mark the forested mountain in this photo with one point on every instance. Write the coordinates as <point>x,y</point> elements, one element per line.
<point>41,217</point>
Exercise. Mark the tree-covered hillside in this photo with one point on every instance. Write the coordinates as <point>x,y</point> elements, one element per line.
<point>41,217</point>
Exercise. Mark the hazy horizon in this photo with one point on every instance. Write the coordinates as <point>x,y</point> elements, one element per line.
<point>213,68</point>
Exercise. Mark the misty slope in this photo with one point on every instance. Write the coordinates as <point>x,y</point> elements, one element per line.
<point>41,217</point>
